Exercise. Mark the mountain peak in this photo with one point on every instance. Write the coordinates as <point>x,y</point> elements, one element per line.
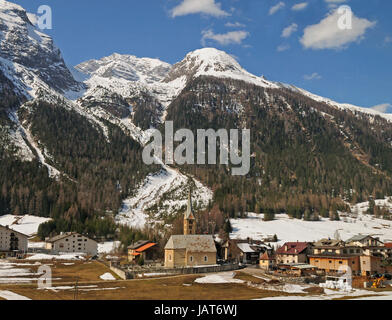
<point>25,49</point>
<point>215,63</point>
<point>127,67</point>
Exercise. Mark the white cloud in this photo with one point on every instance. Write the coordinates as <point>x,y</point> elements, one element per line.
<point>327,35</point>
<point>388,39</point>
<point>332,4</point>
<point>233,37</point>
<point>287,32</point>
<point>208,7</point>
<point>276,8</point>
<point>234,25</point>
<point>283,47</point>
<point>384,108</point>
<point>335,1</point>
<point>313,76</point>
<point>299,6</point>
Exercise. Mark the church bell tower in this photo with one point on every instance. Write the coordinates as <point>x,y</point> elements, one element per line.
<point>189,218</point>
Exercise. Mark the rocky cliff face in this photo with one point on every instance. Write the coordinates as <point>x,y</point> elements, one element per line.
<point>30,56</point>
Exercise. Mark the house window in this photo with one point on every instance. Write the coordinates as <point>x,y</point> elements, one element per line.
<point>340,262</point>
<point>170,258</point>
<point>191,259</point>
<point>330,261</point>
<point>205,259</point>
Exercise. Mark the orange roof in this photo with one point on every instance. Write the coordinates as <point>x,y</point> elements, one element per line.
<point>145,247</point>
<point>388,245</point>
<point>266,256</point>
<point>135,254</point>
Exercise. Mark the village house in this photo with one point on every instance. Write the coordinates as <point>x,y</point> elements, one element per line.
<point>12,243</point>
<point>293,252</point>
<point>143,250</point>
<point>267,261</point>
<point>363,254</point>
<point>72,242</point>
<point>335,262</point>
<point>245,251</point>
<point>190,249</point>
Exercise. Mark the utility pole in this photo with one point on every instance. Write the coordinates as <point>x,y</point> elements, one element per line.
<point>76,289</point>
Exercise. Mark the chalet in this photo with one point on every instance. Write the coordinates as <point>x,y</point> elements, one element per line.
<point>143,250</point>
<point>190,249</point>
<point>293,252</point>
<point>328,246</point>
<point>245,251</point>
<point>369,245</point>
<point>72,242</point>
<point>267,261</point>
<point>12,243</point>
<point>335,262</point>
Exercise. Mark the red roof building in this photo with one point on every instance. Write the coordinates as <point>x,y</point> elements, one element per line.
<point>293,252</point>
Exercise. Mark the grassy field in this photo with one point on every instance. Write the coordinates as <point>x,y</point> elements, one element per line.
<point>87,274</point>
<point>175,288</point>
<point>90,287</point>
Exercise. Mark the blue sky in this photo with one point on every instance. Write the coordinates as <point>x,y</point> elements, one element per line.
<point>285,40</point>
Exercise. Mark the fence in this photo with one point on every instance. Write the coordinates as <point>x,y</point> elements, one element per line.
<point>150,272</point>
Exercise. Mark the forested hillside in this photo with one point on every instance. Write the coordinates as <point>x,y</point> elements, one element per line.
<point>307,157</point>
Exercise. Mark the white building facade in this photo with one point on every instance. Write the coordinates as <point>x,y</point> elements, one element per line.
<point>12,241</point>
<point>72,242</point>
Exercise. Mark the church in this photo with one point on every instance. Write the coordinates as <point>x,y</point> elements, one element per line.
<point>190,249</point>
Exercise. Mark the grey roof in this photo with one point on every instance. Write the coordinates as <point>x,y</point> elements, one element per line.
<point>245,247</point>
<point>63,236</point>
<point>192,243</point>
<point>358,237</point>
<point>138,244</point>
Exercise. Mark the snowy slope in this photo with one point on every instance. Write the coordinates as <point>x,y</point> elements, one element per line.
<point>298,230</point>
<point>215,63</point>
<point>342,106</point>
<point>167,190</point>
<point>26,224</point>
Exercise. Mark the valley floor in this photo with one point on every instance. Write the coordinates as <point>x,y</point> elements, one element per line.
<point>84,280</point>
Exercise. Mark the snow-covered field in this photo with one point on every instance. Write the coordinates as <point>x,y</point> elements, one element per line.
<point>11,272</point>
<point>27,224</point>
<point>298,230</point>
<point>169,186</point>
<point>108,247</point>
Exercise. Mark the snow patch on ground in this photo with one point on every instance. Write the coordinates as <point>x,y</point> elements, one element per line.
<point>226,277</point>
<point>107,276</point>
<point>9,295</point>
<point>108,247</point>
<point>68,256</point>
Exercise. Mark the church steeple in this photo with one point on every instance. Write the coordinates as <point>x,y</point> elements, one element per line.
<point>189,218</point>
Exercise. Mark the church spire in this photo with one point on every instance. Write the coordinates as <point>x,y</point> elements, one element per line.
<point>189,218</point>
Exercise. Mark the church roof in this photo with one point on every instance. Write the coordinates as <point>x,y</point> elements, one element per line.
<point>192,243</point>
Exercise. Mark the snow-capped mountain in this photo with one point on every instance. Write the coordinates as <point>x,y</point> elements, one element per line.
<point>215,63</point>
<point>116,101</point>
<point>127,67</point>
<point>28,56</point>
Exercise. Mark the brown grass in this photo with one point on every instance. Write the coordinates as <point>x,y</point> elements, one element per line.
<point>153,289</point>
